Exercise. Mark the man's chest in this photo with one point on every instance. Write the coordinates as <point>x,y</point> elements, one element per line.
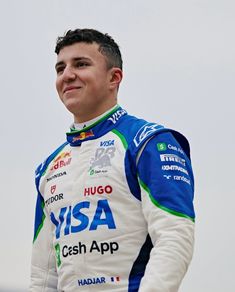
<point>85,188</point>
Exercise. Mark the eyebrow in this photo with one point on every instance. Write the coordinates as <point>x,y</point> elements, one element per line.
<point>74,59</point>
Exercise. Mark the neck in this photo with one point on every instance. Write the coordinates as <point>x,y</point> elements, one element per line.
<point>81,125</point>
<point>93,114</point>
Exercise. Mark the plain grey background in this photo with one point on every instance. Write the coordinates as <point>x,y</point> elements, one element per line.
<point>179,70</point>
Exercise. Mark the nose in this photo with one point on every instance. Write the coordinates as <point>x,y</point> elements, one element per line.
<point>69,74</point>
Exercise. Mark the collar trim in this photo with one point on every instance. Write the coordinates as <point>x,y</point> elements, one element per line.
<point>75,131</point>
<point>97,129</point>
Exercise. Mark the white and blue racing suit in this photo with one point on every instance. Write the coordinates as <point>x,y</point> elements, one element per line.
<point>114,209</point>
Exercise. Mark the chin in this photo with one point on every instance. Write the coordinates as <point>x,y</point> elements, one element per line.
<point>72,106</point>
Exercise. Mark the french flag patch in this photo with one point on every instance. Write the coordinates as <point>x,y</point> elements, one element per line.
<point>115,279</point>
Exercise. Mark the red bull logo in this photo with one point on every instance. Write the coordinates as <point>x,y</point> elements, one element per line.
<point>63,155</point>
<point>83,135</point>
<point>63,159</point>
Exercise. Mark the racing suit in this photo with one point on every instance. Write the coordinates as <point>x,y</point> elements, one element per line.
<point>114,209</point>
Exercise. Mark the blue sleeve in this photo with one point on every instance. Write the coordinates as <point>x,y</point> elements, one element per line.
<point>165,172</point>
<point>39,216</point>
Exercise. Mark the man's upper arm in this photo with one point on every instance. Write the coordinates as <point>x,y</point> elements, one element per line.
<point>165,172</point>
<point>166,181</point>
<point>43,264</point>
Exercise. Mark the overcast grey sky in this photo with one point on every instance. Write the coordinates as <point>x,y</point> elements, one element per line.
<point>179,70</point>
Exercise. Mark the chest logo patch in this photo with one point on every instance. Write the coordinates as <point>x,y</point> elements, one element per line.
<point>53,188</point>
<point>102,159</point>
<point>62,160</point>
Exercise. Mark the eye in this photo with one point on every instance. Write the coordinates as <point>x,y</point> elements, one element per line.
<point>81,64</point>
<point>59,70</point>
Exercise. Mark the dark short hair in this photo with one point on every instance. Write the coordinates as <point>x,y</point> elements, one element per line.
<point>107,45</point>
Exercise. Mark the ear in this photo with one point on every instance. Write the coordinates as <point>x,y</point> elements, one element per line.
<point>115,77</point>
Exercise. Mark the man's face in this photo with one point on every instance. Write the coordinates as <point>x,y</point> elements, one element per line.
<point>84,81</point>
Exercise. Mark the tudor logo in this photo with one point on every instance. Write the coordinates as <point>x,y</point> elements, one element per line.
<point>53,188</point>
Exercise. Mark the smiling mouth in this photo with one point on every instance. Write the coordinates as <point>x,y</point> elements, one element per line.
<point>71,89</point>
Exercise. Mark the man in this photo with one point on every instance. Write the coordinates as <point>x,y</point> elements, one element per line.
<point>114,209</point>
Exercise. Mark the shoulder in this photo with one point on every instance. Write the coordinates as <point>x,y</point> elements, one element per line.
<point>137,132</point>
<point>136,129</point>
